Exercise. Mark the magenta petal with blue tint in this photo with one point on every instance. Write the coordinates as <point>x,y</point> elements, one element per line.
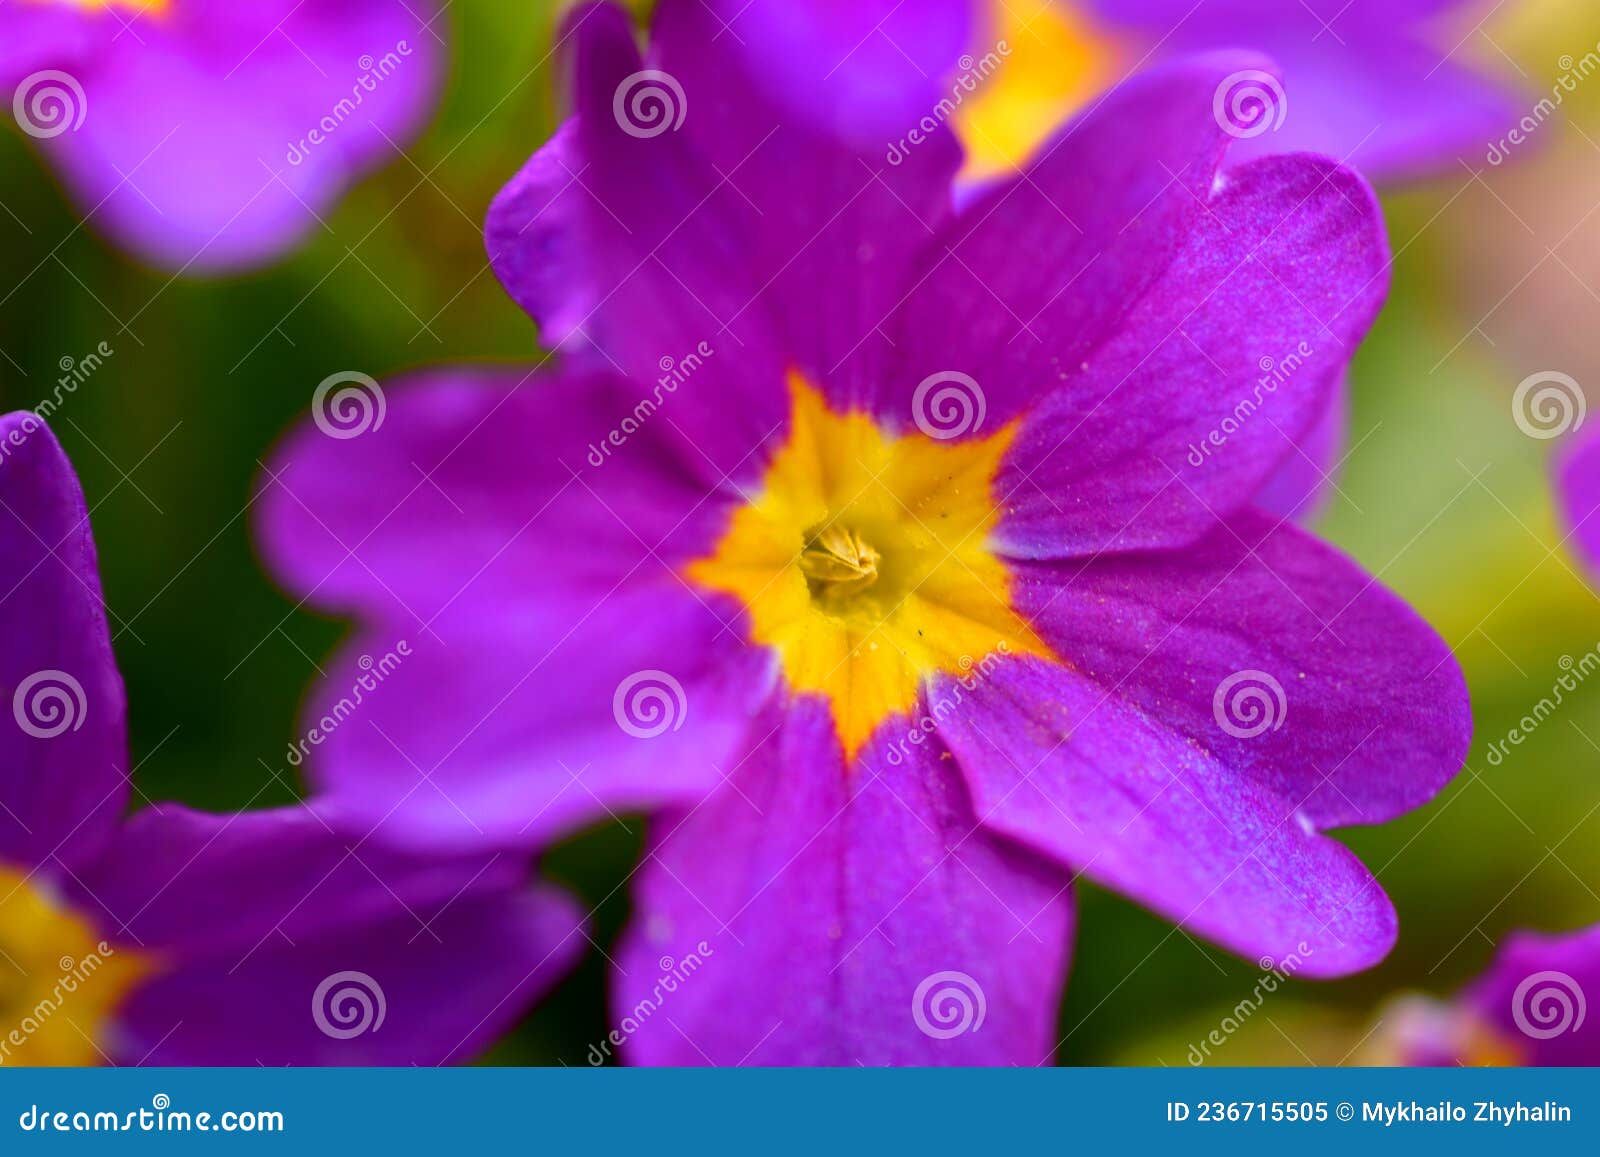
<point>209,136</point>
<point>815,947</point>
<point>235,923</point>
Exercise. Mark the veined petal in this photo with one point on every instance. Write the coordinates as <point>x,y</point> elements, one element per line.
<point>840,918</point>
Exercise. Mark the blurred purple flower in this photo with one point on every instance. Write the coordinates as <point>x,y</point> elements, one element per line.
<point>1381,85</point>
<point>180,938</point>
<point>1530,1007</point>
<point>208,135</point>
<point>900,560</point>
<point>1577,478</point>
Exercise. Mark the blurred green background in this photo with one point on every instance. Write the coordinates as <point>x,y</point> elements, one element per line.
<point>1442,496</point>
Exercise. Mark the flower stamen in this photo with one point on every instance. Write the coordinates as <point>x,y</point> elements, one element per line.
<point>837,564</point>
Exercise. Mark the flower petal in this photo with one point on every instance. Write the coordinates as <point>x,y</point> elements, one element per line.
<point>615,238</point>
<point>1054,761</point>
<point>822,903</point>
<point>252,917</point>
<point>1035,274</point>
<point>1213,712</point>
<point>1233,355</point>
<point>63,740</point>
<point>198,149</point>
<point>481,485</point>
<point>1374,717</point>
<point>510,733</point>
<point>1538,991</point>
<point>1577,484</point>
<point>830,214</point>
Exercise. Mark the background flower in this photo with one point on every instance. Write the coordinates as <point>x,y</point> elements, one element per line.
<point>208,135</point>
<point>180,938</point>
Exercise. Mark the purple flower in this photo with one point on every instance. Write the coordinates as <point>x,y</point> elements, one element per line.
<point>901,561</point>
<point>1531,1007</point>
<point>1383,85</point>
<point>1577,465</point>
<point>175,937</point>
<point>208,135</point>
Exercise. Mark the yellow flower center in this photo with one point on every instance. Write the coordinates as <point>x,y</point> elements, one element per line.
<point>60,984</point>
<point>1053,60</point>
<point>864,562</point>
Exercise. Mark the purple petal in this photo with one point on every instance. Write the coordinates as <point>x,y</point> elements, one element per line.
<point>1577,481</point>
<point>1037,272</point>
<point>838,917</point>
<point>510,733</point>
<point>615,238</point>
<point>1377,716</point>
<point>196,146</point>
<point>63,743</point>
<point>1538,993</point>
<point>481,701</point>
<point>829,212</point>
<point>1303,485</point>
<point>862,70</point>
<point>1369,83</point>
<point>475,484</point>
<point>1215,710</point>
<point>1193,404</point>
<point>250,917</point>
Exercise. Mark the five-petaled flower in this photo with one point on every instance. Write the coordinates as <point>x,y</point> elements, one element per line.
<point>927,677</point>
<point>175,937</point>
